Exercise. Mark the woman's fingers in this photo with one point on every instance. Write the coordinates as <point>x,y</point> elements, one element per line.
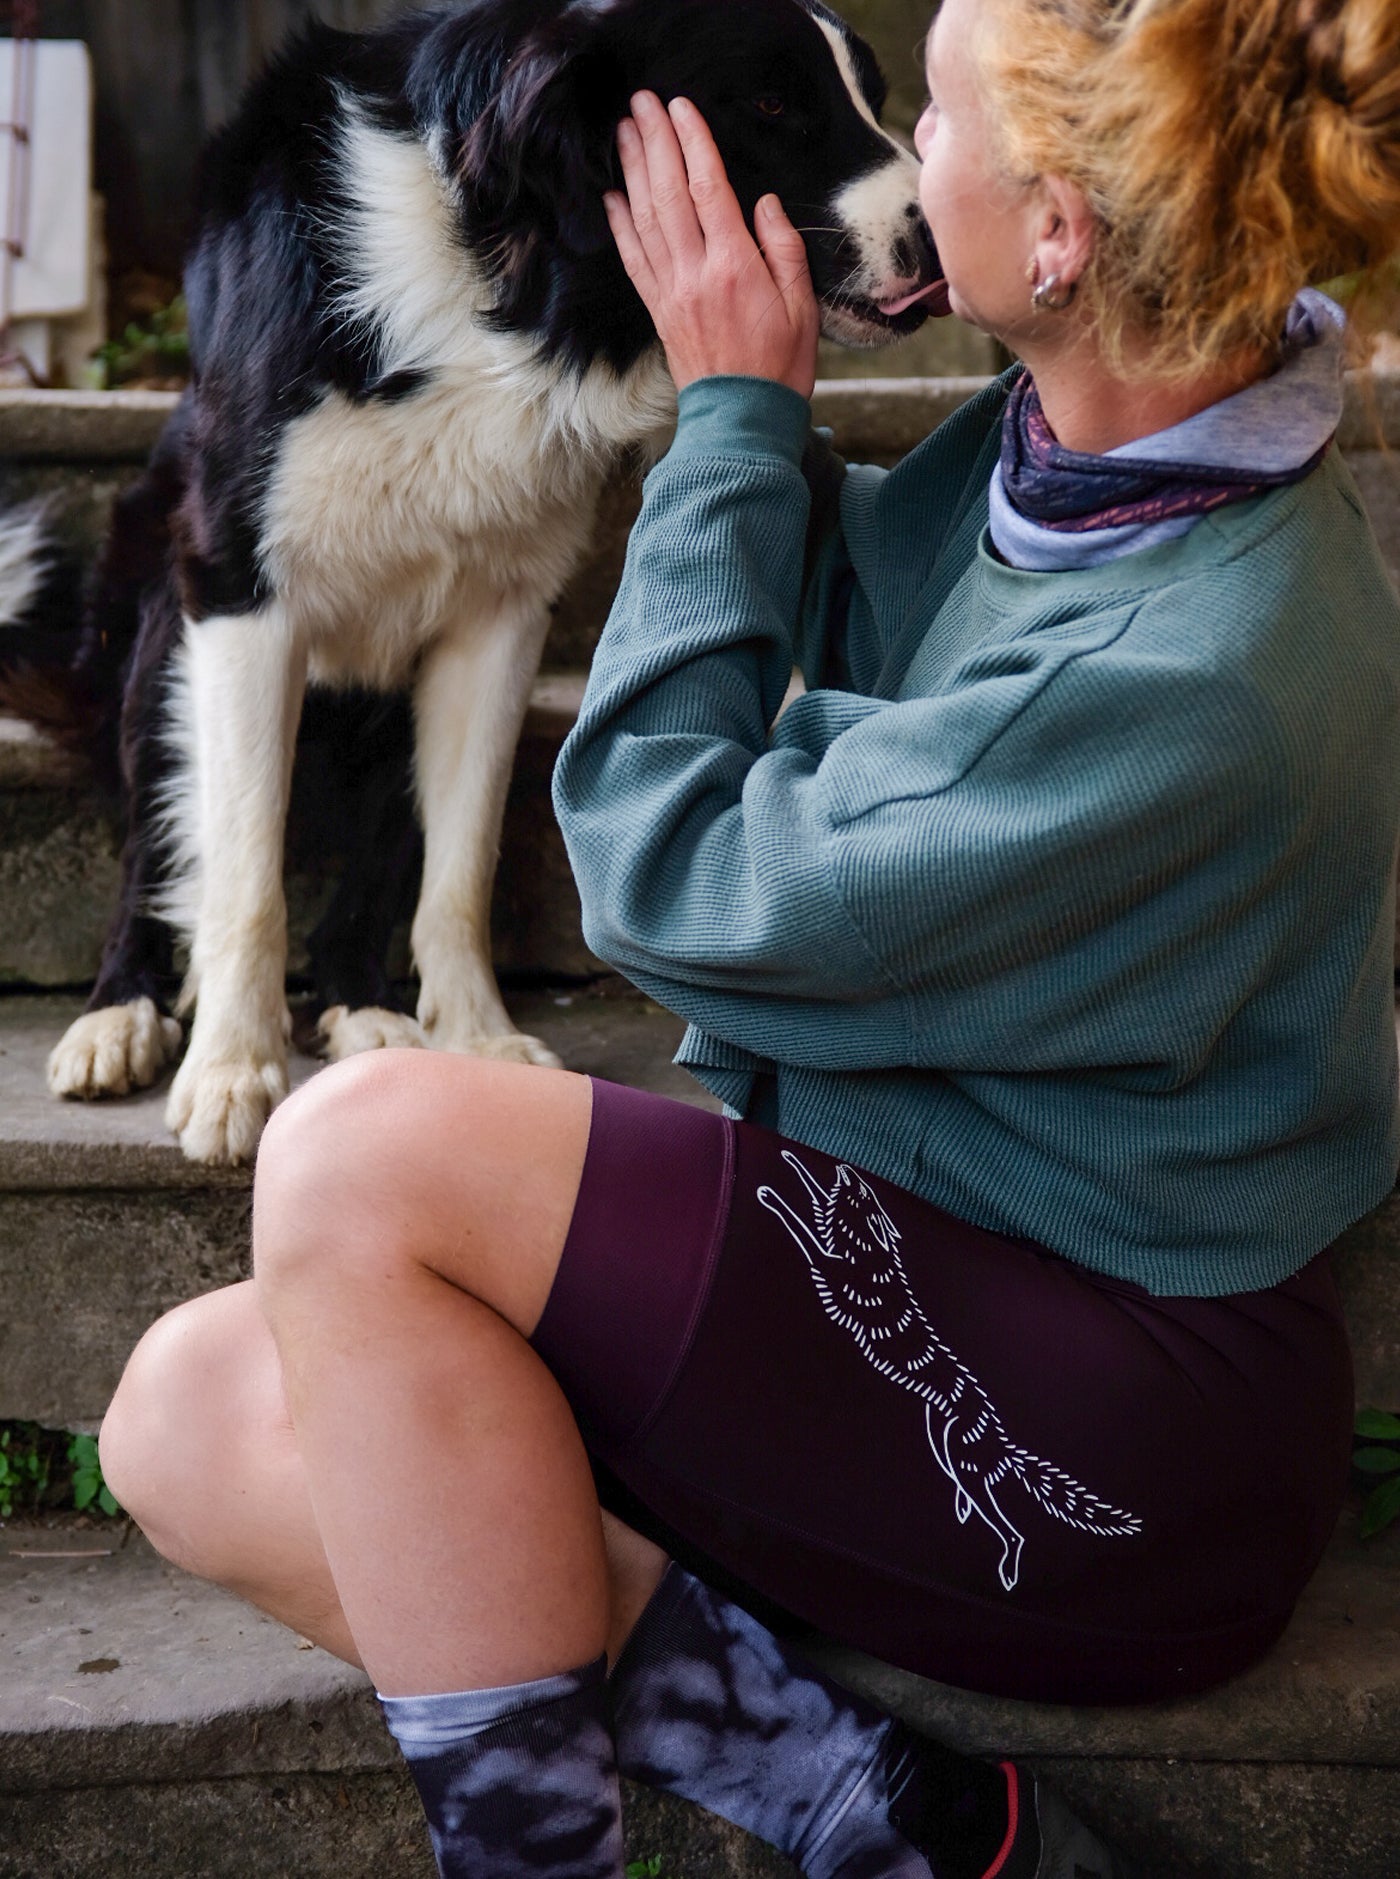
<point>784,250</point>
<point>720,303</point>
<point>712,195</point>
<point>636,179</point>
<point>670,207</point>
<point>629,245</point>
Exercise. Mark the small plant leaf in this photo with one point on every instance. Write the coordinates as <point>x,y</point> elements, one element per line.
<point>1376,1426</point>
<point>1376,1460</point>
<point>1381,1508</point>
<point>88,1485</point>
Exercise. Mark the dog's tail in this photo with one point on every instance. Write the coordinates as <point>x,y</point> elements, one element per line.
<point>1063,1497</point>
<point>66,640</point>
<point>41,631</point>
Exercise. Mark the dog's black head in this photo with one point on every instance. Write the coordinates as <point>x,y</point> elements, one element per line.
<point>792,95</point>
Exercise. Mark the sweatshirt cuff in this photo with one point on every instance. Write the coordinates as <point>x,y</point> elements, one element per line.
<point>742,417</point>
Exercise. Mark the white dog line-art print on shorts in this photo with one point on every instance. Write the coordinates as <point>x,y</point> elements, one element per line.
<point>852,1248</point>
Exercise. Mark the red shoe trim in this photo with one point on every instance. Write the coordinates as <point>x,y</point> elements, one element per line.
<point>1013,1815</point>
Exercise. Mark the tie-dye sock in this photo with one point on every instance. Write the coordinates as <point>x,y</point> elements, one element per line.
<point>517,1783</point>
<point>710,1705</point>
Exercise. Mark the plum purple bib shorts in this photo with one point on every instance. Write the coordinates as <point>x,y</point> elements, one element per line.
<point>958,1452</point>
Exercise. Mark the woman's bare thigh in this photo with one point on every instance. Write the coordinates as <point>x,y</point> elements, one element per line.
<point>469,1167</point>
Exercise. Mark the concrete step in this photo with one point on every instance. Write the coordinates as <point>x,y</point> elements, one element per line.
<point>149,1722</point>
<point>79,448</point>
<point>104,1224</point>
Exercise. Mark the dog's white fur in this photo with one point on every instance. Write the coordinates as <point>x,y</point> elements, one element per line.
<point>113,1051</point>
<point>22,562</point>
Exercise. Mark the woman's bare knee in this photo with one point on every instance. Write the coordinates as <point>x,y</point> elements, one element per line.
<point>195,1394</point>
<point>411,1158</point>
<point>327,1166</point>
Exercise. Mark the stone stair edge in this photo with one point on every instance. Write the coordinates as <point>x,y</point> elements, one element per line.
<point>1328,1696</point>
<point>75,1163</point>
<point>122,427</point>
<point>121,1146</point>
<point>885,414</point>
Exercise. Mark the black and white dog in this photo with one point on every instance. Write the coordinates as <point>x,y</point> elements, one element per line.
<point>415,359</point>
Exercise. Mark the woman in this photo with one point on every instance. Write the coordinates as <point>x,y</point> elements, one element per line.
<point>1050,936</point>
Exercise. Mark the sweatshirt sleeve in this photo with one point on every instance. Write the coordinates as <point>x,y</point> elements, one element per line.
<point>959,880</point>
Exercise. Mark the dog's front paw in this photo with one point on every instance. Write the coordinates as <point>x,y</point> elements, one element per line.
<point>113,1051</point>
<point>344,1033</point>
<point>510,1047</point>
<point>218,1110</point>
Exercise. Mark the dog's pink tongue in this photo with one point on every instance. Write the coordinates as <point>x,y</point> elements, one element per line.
<point>892,308</point>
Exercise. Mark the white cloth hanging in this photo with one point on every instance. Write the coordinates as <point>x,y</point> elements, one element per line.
<point>53,276</point>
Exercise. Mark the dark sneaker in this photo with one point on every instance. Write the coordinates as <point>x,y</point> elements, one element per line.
<point>1046,1841</point>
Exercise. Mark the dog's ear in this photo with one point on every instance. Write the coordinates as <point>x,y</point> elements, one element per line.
<point>540,152</point>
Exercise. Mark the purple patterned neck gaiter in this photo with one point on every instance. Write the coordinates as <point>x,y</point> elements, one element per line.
<point>1071,492</point>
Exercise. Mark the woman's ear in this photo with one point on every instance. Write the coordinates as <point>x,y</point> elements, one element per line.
<point>1067,231</point>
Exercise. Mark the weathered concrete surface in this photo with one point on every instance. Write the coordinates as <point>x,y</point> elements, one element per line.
<point>99,1209</point>
<point>311,1827</point>
<point>104,1225</point>
<point>201,1728</point>
<point>120,1669</point>
<point>1377,476</point>
<point>82,1276</point>
<point>58,885</point>
<point>82,426</point>
<point>1181,1819</point>
<point>604,1028</point>
<point>291,1827</point>
<point>1368,1272</point>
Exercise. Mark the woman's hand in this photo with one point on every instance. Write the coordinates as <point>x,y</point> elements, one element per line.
<point>721,302</point>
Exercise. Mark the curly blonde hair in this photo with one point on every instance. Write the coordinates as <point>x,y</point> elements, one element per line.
<point>1233,152</point>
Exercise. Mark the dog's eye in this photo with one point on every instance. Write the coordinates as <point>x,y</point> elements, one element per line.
<point>771,106</point>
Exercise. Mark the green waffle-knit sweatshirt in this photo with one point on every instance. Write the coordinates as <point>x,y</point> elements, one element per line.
<point>1063,900</point>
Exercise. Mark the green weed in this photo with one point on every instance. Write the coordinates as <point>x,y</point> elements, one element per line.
<point>159,349</point>
<point>26,1463</point>
<point>44,1470</point>
<point>1378,1454</point>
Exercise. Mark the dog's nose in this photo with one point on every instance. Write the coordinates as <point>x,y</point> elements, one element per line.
<point>915,256</point>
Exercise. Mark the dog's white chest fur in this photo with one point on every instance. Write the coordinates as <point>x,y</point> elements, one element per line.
<point>384,519</point>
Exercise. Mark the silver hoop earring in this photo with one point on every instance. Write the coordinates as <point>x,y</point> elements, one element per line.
<point>1051,296</point>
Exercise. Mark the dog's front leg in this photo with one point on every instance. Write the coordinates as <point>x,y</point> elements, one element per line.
<point>469,705</point>
<point>245,678</point>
